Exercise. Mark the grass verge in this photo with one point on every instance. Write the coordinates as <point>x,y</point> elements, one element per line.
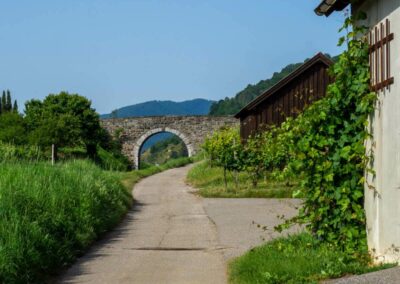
<point>51,214</point>
<point>210,182</point>
<point>296,259</point>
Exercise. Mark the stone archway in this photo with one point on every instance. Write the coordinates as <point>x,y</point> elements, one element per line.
<point>133,131</point>
<point>139,143</point>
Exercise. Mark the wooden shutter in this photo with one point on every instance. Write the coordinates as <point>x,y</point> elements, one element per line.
<point>379,56</point>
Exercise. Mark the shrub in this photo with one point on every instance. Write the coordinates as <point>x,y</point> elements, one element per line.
<point>253,161</point>
<point>225,150</point>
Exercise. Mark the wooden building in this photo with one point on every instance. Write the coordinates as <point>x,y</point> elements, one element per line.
<point>287,98</point>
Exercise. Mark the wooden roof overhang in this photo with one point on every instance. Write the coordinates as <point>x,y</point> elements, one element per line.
<point>317,59</point>
<point>327,7</point>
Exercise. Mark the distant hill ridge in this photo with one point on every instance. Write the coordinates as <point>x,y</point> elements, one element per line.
<point>157,108</point>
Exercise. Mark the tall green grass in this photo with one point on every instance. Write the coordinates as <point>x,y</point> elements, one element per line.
<point>109,161</point>
<point>9,152</point>
<point>50,214</point>
<point>28,153</point>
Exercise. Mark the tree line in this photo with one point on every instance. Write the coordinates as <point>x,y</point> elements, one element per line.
<point>6,104</point>
<point>63,120</point>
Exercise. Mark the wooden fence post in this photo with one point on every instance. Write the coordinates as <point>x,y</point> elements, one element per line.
<point>52,154</point>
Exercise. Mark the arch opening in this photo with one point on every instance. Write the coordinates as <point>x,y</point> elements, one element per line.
<point>160,145</point>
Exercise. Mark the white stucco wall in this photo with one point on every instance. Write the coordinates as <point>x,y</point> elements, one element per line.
<point>382,191</point>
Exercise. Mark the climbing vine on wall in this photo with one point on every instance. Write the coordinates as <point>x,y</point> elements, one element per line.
<point>329,149</point>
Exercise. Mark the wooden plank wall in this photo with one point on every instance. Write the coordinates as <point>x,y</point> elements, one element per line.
<point>289,101</point>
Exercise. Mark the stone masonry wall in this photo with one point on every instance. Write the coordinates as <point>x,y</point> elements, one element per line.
<point>191,129</point>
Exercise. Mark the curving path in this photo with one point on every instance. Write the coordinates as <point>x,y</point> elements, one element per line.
<point>173,236</point>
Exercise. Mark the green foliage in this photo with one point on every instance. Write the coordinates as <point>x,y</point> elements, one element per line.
<point>162,145</point>
<point>329,153</point>
<point>12,128</point>
<point>68,121</point>
<point>170,148</point>
<point>225,150</point>
<point>261,155</point>
<point>109,161</point>
<point>277,145</point>
<point>253,158</point>
<point>15,107</point>
<point>12,125</point>
<point>324,148</point>
<point>109,151</point>
<point>50,214</point>
<point>6,105</point>
<point>9,152</point>
<point>296,259</point>
<point>63,120</point>
<point>3,102</point>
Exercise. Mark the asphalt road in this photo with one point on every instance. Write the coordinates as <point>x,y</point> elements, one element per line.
<point>173,236</point>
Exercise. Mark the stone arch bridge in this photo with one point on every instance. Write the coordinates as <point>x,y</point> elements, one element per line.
<point>191,129</point>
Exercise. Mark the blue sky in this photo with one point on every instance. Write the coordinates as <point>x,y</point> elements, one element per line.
<point>122,52</point>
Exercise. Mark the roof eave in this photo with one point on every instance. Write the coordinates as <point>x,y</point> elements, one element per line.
<point>327,7</point>
<point>239,114</point>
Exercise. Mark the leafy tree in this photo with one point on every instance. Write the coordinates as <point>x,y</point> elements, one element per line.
<point>15,106</point>
<point>6,102</point>
<point>63,120</point>
<point>8,106</point>
<point>3,102</point>
<point>12,128</point>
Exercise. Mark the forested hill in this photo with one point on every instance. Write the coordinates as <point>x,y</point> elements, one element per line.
<point>236,103</point>
<point>153,108</point>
